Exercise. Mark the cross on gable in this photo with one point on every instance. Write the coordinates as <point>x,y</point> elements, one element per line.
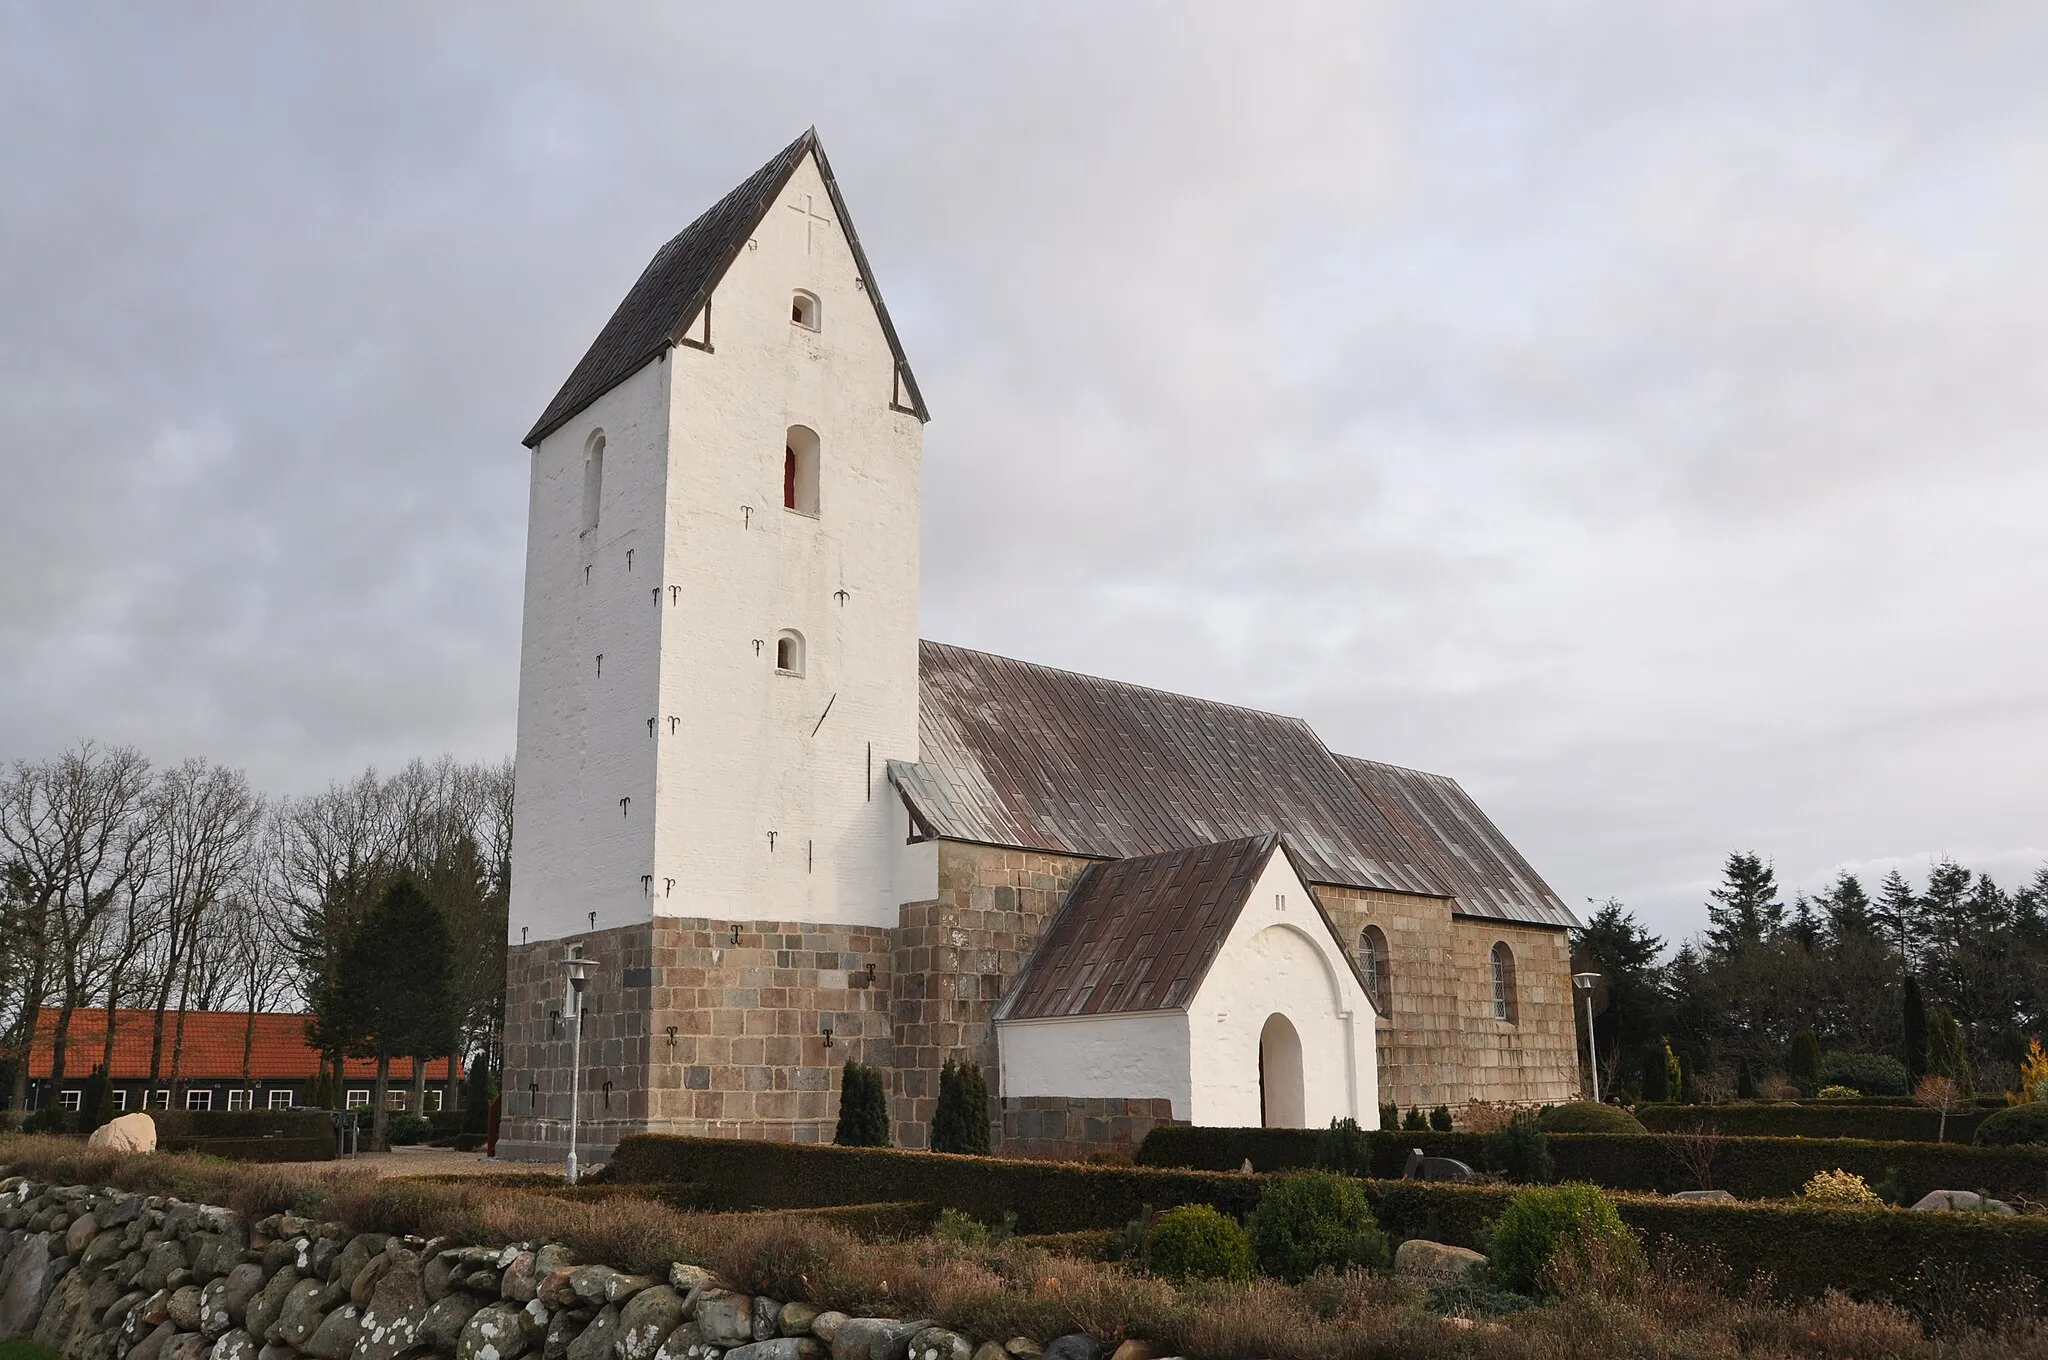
<point>813,219</point>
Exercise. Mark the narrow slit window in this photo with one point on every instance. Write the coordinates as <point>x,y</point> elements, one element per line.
<point>593,479</point>
<point>800,470</point>
<point>789,652</point>
<point>1377,966</point>
<point>803,309</point>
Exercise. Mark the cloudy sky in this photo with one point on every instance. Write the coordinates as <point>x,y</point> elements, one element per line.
<point>1634,411</point>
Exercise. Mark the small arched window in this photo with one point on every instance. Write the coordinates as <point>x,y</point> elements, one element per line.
<point>803,309</point>
<point>1378,967</point>
<point>800,470</point>
<point>1504,983</point>
<point>593,479</point>
<point>789,652</point>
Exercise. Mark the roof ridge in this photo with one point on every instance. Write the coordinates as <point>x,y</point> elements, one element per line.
<point>1392,765</point>
<point>1133,685</point>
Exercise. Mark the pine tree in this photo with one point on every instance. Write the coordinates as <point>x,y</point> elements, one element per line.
<point>1615,945</point>
<point>1745,910</point>
<point>392,992</point>
<point>1947,1055</point>
<point>1898,914</point>
<point>1745,1081</point>
<point>1802,1065</point>
<point>1944,906</point>
<point>863,1107</point>
<point>1914,1012</point>
<point>961,1122</point>
<point>1848,908</point>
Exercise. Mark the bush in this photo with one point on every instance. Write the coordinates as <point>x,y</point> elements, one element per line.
<point>1315,1221</point>
<point>1837,1093</point>
<point>2016,1125</point>
<point>1877,1074</point>
<point>1586,1116</point>
<point>1841,1188</point>
<point>1838,1118</point>
<point>1440,1119</point>
<point>1195,1242</point>
<point>1390,1116</point>
<point>1543,1221</point>
<point>1344,1148</point>
<point>961,1122</point>
<point>1519,1150</point>
<point>49,1119</point>
<point>406,1129</point>
<point>1414,1122</point>
<point>863,1108</point>
<point>1803,1064</point>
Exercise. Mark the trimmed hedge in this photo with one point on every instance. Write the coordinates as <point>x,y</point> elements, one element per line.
<point>1866,1253</point>
<point>247,1135</point>
<point>1048,1197</point>
<point>2017,1126</point>
<point>1751,1168</point>
<point>1815,1119</point>
<point>1806,1250</point>
<point>1585,1116</point>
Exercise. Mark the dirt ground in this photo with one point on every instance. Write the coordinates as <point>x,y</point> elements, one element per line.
<point>431,1161</point>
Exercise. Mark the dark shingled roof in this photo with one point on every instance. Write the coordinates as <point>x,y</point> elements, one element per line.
<point>1139,934</point>
<point>1043,759</point>
<point>1020,755</point>
<point>680,279</point>
<point>1485,872</point>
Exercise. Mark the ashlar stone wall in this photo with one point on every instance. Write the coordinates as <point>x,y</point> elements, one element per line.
<point>1442,1043</point>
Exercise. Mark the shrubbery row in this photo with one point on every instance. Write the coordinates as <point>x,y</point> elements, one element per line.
<point>1751,1168</point>
<point>1805,1249</point>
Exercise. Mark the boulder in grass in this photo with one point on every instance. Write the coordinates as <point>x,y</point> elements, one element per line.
<point>128,1133</point>
<point>496,1332</point>
<point>1964,1200</point>
<point>1073,1346</point>
<point>646,1321</point>
<point>1434,1263</point>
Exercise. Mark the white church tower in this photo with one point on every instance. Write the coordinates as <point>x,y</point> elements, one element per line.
<point>720,637</point>
<point>720,648</point>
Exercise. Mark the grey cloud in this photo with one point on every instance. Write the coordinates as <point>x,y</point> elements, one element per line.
<point>1629,410</point>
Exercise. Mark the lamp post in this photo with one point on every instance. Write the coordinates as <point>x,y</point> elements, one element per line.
<point>1583,981</point>
<point>579,972</point>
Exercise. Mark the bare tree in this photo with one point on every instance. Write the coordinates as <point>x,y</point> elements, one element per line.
<point>257,952</point>
<point>209,815</point>
<point>77,830</point>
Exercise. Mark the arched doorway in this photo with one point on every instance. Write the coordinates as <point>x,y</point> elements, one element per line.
<point>1282,1101</point>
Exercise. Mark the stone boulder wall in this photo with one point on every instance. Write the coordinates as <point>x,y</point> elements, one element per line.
<point>102,1274</point>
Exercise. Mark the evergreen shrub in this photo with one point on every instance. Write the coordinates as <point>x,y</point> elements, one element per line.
<point>2015,1125</point>
<point>863,1108</point>
<point>406,1129</point>
<point>1390,1116</point>
<point>1803,1064</point>
<point>1414,1121</point>
<point>1440,1118</point>
<point>1344,1148</point>
<point>1543,1221</point>
<point>1195,1242</point>
<point>1586,1116</point>
<point>1519,1150</point>
<point>961,1122</point>
<point>1837,1093</point>
<point>1313,1221</point>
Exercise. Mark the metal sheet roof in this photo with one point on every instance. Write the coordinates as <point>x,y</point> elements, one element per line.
<point>680,279</point>
<point>1484,871</point>
<point>1138,934</point>
<point>1044,759</point>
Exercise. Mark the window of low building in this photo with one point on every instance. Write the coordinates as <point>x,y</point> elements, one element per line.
<point>358,1099</point>
<point>238,1099</point>
<point>281,1100</point>
<point>199,1100</point>
<point>69,1100</point>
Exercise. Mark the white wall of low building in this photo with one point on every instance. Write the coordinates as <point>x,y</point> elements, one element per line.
<point>1140,1056</point>
<point>1280,958</point>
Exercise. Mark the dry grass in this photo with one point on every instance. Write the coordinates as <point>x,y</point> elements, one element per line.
<point>1680,1306</point>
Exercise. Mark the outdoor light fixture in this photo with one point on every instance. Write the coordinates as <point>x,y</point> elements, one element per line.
<point>578,969</point>
<point>1584,982</point>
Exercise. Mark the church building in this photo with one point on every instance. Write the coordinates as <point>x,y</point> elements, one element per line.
<point>785,832</point>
